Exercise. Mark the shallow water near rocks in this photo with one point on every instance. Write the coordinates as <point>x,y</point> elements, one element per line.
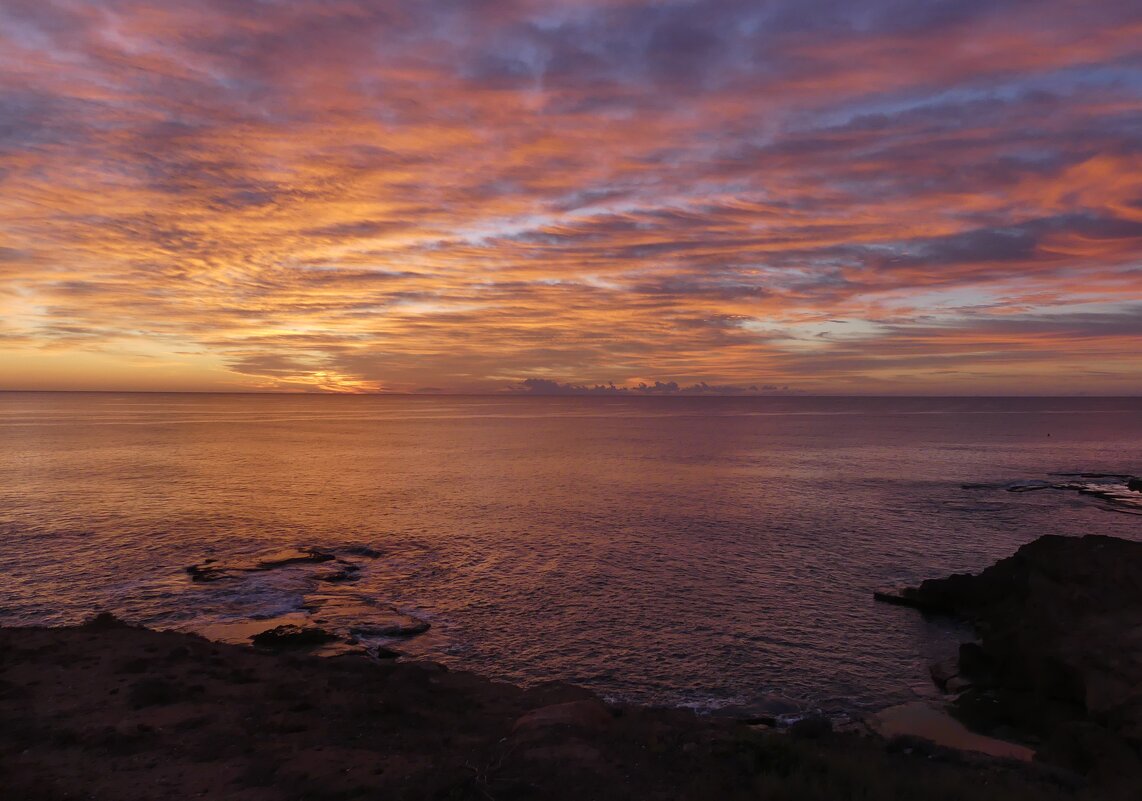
<point>702,552</point>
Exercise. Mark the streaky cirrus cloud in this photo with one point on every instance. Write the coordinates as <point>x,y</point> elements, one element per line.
<point>572,196</point>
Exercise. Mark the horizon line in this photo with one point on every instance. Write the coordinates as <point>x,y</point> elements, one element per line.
<point>513,394</point>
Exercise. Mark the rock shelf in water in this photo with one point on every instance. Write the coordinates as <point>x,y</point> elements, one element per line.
<point>1121,492</point>
<point>342,570</point>
<point>212,570</point>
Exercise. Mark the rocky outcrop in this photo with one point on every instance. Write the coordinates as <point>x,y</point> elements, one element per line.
<point>213,570</point>
<point>1060,640</point>
<point>362,616</point>
<point>343,572</point>
<point>199,719</point>
<point>1119,491</point>
<point>290,637</point>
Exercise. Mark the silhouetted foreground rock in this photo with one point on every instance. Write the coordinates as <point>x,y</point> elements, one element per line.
<point>109,711</point>
<point>1060,651</point>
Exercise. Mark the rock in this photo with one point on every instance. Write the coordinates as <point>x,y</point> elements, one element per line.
<point>393,625</point>
<point>590,715</point>
<point>153,691</point>
<point>812,727</point>
<point>1086,747</point>
<point>1134,484</point>
<point>105,620</point>
<point>345,572</point>
<point>974,662</point>
<point>213,570</point>
<point>381,652</point>
<point>206,572</point>
<point>773,705</point>
<point>1060,628</point>
<point>944,671</point>
<point>291,636</point>
<point>291,556</point>
<point>1030,486</point>
<point>908,596</point>
<point>359,614</point>
<point>957,684</point>
<point>363,550</point>
<point>771,710</point>
<point>582,754</point>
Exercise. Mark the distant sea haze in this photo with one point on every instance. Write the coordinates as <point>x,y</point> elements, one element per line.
<point>695,551</point>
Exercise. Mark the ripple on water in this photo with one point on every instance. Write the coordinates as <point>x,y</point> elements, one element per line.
<point>661,555</point>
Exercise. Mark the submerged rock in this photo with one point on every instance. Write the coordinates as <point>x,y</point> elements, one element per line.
<point>364,551</point>
<point>293,636</point>
<point>213,570</point>
<point>291,556</point>
<point>361,615</point>
<point>344,572</point>
<point>1118,490</point>
<point>207,571</point>
<point>394,624</point>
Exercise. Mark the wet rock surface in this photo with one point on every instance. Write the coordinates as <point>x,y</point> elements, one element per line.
<point>213,570</point>
<point>1120,492</point>
<point>291,636</point>
<point>331,617</point>
<point>363,616</point>
<point>1060,652</point>
<point>207,720</point>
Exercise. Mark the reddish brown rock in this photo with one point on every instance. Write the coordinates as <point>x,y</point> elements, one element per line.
<point>579,714</point>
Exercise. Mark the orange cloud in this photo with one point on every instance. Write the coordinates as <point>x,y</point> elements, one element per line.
<point>337,197</point>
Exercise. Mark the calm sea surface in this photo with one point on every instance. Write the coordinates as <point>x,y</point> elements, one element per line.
<point>709,552</point>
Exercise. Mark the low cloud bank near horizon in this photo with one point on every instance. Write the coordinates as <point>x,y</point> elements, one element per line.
<point>546,386</point>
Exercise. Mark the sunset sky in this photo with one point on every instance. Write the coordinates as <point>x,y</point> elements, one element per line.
<point>888,196</point>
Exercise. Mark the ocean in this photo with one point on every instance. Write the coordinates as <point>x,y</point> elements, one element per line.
<point>714,553</point>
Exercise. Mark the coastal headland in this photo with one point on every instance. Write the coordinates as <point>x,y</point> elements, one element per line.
<point>107,710</point>
<point>1058,661</point>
